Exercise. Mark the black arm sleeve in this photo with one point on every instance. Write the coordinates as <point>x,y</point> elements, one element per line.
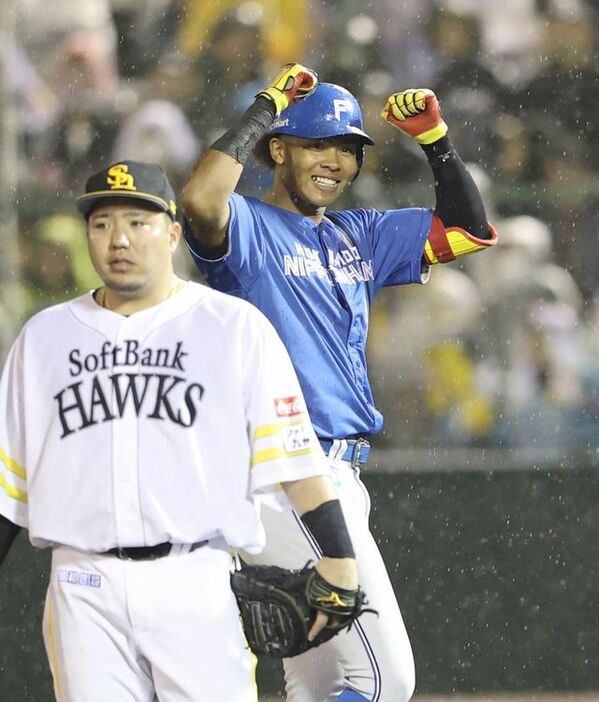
<point>327,525</point>
<point>8,532</point>
<point>459,203</point>
<point>239,141</point>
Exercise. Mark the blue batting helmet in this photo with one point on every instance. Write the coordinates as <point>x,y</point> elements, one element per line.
<point>328,112</point>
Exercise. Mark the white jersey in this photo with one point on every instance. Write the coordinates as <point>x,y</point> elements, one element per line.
<point>162,426</point>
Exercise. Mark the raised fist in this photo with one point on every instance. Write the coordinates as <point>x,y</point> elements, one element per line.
<point>295,82</point>
<point>417,113</point>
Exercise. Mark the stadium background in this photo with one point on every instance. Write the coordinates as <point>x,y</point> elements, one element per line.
<point>485,477</point>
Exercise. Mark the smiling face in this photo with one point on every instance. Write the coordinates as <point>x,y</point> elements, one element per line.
<point>131,246</point>
<point>310,174</point>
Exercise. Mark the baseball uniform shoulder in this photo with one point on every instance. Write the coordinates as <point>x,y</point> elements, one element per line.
<point>202,303</point>
<point>244,206</point>
<point>45,329</point>
<point>54,315</point>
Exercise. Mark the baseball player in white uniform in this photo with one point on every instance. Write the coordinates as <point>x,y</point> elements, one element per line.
<point>140,427</point>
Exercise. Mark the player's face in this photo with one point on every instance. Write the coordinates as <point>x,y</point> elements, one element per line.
<point>314,172</point>
<point>131,247</point>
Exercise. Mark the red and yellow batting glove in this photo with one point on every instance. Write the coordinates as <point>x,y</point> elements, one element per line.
<point>417,113</point>
<point>295,82</point>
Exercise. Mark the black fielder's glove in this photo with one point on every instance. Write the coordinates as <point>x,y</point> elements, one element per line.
<point>278,607</point>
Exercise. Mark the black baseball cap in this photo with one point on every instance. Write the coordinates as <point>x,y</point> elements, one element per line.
<point>129,179</point>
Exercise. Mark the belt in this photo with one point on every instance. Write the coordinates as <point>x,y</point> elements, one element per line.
<point>151,553</point>
<point>355,451</point>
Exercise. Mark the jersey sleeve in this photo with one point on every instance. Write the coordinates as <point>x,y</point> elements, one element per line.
<point>283,444</point>
<point>13,472</point>
<point>242,262</point>
<point>398,241</point>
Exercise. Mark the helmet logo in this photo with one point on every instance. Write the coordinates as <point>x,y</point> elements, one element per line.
<point>341,106</point>
<point>278,123</point>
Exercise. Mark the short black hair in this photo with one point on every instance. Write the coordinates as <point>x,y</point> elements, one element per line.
<point>261,152</point>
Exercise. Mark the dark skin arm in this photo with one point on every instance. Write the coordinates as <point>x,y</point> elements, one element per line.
<point>206,194</point>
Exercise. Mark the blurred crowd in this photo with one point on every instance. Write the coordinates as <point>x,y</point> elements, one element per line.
<point>498,351</point>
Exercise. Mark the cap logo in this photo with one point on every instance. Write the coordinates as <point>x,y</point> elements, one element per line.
<point>341,106</point>
<point>119,178</point>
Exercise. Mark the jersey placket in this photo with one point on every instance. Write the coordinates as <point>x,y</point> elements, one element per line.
<point>125,457</point>
<point>354,333</point>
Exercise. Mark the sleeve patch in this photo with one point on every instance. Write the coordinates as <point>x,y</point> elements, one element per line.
<point>288,406</point>
<point>295,439</point>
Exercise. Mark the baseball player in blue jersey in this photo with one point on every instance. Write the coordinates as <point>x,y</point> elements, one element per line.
<point>314,273</point>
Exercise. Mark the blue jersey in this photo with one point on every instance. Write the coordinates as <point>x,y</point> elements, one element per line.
<point>316,283</point>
